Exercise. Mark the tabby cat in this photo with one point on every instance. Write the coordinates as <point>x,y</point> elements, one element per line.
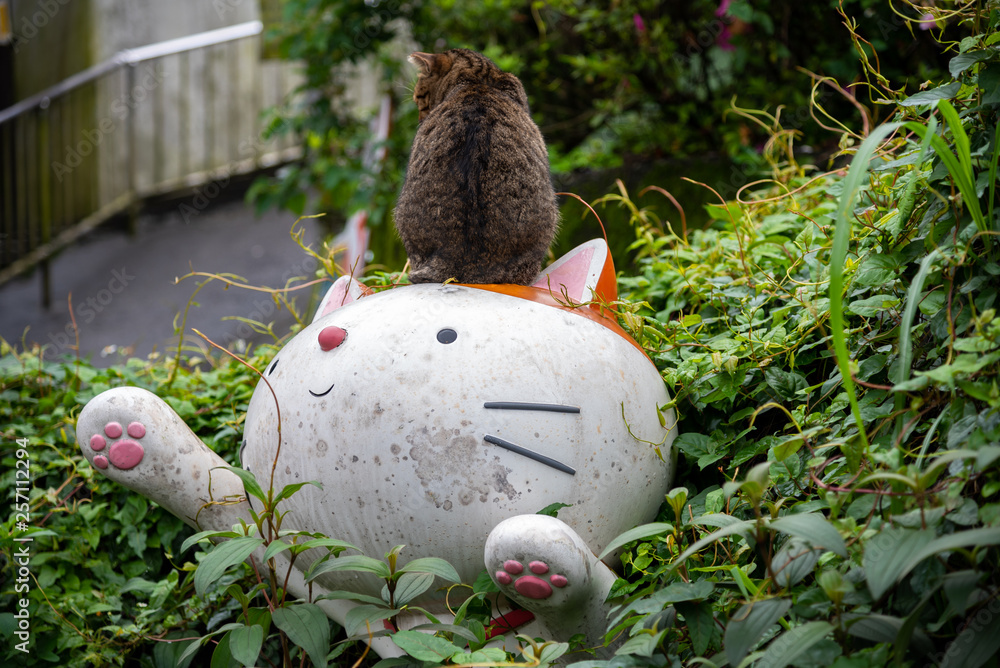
<point>477,204</point>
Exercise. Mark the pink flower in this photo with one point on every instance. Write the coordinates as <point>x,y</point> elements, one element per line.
<point>722,41</point>
<point>640,25</point>
<point>723,8</point>
<point>927,22</point>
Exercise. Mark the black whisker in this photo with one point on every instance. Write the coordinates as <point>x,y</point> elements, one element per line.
<point>530,454</point>
<point>527,406</point>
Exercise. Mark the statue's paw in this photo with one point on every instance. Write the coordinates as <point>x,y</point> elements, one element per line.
<point>133,437</point>
<point>109,448</point>
<point>537,584</point>
<point>129,432</point>
<point>541,563</point>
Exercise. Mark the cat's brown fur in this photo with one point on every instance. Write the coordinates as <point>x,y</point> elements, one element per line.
<point>477,204</point>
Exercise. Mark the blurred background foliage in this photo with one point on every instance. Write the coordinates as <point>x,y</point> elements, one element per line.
<point>634,89</point>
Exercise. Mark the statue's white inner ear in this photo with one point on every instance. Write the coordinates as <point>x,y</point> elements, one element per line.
<point>577,272</point>
<point>343,291</point>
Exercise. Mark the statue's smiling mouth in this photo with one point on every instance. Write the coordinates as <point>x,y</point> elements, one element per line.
<point>321,394</point>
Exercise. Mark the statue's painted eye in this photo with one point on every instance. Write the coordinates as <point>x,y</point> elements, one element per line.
<point>331,337</point>
<point>447,335</point>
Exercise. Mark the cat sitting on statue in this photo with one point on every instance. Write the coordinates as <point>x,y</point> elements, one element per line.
<point>477,205</point>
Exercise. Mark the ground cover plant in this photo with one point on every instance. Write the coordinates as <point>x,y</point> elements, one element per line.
<point>832,346</point>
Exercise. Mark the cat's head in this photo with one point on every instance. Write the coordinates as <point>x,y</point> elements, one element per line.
<point>440,73</point>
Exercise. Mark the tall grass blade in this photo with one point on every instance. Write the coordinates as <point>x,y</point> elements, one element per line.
<point>993,172</point>
<point>913,296</point>
<point>841,236</point>
<point>905,342</point>
<point>960,167</point>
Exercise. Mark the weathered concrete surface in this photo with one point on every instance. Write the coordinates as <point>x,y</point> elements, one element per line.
<point>123,288</point>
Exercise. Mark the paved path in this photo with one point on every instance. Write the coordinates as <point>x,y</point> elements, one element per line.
<point>123,288</point>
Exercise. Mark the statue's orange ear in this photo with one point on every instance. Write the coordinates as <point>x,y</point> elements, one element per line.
<point>584,274</point>
<point>423,61</point>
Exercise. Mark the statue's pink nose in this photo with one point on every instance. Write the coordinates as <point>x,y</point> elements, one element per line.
<point>331,337</point>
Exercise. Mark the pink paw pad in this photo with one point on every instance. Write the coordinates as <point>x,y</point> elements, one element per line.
<point>530,586</point>
<point>124,454</point>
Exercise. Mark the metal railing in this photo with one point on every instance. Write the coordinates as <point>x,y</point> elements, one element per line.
<point>149,121</point>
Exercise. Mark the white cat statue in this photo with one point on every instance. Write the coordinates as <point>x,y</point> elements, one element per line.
<point>441,417</point>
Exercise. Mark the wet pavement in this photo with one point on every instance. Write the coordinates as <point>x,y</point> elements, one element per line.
<point>123,288</point>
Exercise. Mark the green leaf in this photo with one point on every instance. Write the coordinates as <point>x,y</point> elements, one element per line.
<point>553,509</point>
<point>813,528</point>
<point>334,545</point>
<point>945,92</point>
<point>222,655</point>
<point>742,527</point>
<point>644,643</point>
<point>794,561</point>
<point>276,547</point>
<point>887,554</point>
<point>433,565</point>
<point>487,655</point>
<point>185,656</point>
<point>954,541</point>
<point>176,653</point>
<point>353,562</point>
<point>410,586</point>
<point>359,620</point>
<point>700,623</point>
<point>460,631</point>
<point>222,557</point>
<point>964,61</point>
<point>288,490</point>
<point>202,535</point>
<point>684,591</point>
<point>236,591</point>
<point>307,626</point>
<point>340,595</point>
<point>425,647</point>
<point>550,651</point>
<point>872,306</point>
<point>245,644</point>
<point>881,628</point>
<point>790,645</point>
<point>749,624</point>
<point>786,384</point>
<point>976,644</point>
<point>876,270</point>
<point>249,482</point>
<point>638,533</point>
<point>700,447</point>
<point>958,586</point>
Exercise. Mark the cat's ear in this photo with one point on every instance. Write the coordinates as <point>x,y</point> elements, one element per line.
<point>343,291</point>
<point>586,273</point>
<point>423,61</point>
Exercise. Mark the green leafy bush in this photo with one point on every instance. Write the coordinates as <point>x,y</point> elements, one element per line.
<point>833,347</point>
<point>106,580</point>
<point>608,84</point>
